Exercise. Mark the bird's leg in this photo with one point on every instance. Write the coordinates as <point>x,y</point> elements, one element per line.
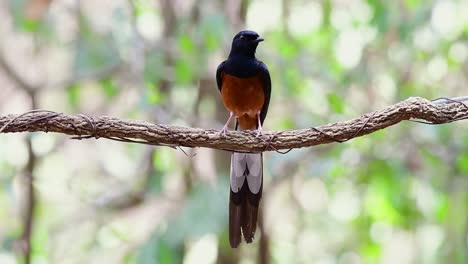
<point>225,127</point>
<point>259,128</point>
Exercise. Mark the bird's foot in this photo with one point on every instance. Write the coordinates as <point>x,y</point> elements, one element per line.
<point>259,125</point>
<point>223,131</point>
<point>259,132</point>
<point>225,127</point>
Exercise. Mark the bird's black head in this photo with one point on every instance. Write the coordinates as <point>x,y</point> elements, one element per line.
<point>245,43</point>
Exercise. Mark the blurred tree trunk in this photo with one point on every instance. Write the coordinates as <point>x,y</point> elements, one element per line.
<point>30,195</point>
<point>264,248</point>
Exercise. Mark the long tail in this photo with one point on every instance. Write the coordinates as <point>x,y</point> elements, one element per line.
<point>245,195</point>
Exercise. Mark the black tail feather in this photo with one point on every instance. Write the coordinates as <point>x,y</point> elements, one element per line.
<point>243,212</point>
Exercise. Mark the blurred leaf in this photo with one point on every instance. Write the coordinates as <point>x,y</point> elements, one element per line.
<point>163,159</point>
<point>336,70</point>
<point>371,252</point>
<point>41,236</point>
<point>212,29</point>
<point>408,89</point>
<point>327,9</point>
<point>431,158</point>
<point>153,95</point>
<point>380,14</point>
<point>166,254</point>
<point>211,41</point>
<point>286,47</point>
<point>109,87</point>
<point>462,163</point>
<point>319,41</point>
<point>335,102</point>
<point>444,133</point>
<point>154,182</point>
<point>157,250</point>
<point>337,170</point>
<point>29,18</point>
<point>381,202</point>
<point>142,6</point>
<point>380,207</point>
<point>208,205</point>
<point>183,72</point>
<point>442,208</point>
<point>17,8</point>
<point>293,80</point>
<point>186,43</point>
<point>73,95</point>
<point>204,212</point>
<point>287,123</point>
<point>412,4</point>
<point>154,67</point>
<point>30,25</point>
<point>147,253</point>
<point>93,51</point>
<point>130,258</point>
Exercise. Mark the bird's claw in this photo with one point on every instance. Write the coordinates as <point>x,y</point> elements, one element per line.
<point>259,133</point>
<point>223,132</point>
<point>225,127</point>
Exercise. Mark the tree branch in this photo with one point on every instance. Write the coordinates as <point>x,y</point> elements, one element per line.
<point>444,110</point>
<point>29,88</point>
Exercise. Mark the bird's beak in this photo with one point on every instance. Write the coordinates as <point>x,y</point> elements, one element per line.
<point>259,39</point>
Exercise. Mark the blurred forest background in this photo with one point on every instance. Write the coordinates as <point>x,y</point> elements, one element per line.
<point>397,196</point>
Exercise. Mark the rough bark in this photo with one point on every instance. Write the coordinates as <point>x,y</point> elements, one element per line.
<point>82,126</point>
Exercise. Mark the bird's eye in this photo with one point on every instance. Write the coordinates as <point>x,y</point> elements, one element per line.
<point>241,36</point>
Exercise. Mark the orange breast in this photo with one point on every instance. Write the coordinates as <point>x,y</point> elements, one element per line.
<point>244,97</point>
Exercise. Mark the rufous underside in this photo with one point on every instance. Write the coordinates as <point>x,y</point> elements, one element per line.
<point>244,97</point>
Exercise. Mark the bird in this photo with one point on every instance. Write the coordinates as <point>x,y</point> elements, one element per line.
<point>245,86</point>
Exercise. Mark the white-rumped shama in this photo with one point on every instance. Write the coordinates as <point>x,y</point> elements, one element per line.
<point>245,86</point>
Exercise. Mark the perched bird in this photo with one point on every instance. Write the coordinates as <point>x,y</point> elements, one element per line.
<point>245,86</point>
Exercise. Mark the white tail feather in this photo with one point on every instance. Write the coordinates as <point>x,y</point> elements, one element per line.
<point>241,163</point>
<point>254,178</point>
<point>238,165</point>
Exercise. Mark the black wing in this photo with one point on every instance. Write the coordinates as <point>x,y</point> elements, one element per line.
<point>219,75</point>
<point>265,74</point>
